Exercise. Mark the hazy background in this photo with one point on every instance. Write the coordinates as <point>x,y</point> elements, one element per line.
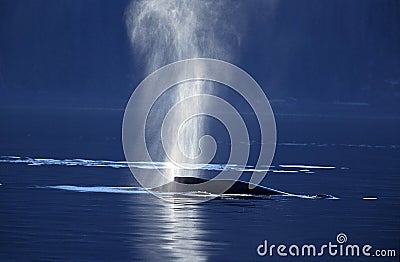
<point>311,56</point>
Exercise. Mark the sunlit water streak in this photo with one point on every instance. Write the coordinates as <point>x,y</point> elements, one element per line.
<point>173,195</point>
<point>287,168</point>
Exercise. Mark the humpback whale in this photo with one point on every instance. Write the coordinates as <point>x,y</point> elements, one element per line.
<point>216,186</point>
<point>194,184</point>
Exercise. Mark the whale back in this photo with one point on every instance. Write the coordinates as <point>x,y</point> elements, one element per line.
<point>193,184</point>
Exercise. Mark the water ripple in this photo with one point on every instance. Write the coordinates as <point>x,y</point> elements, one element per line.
<point>284,168</point>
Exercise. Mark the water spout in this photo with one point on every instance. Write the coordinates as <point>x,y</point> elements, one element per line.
<point>166,31</point>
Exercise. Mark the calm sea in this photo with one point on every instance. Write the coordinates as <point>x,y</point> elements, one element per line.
<point>66,193</point>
